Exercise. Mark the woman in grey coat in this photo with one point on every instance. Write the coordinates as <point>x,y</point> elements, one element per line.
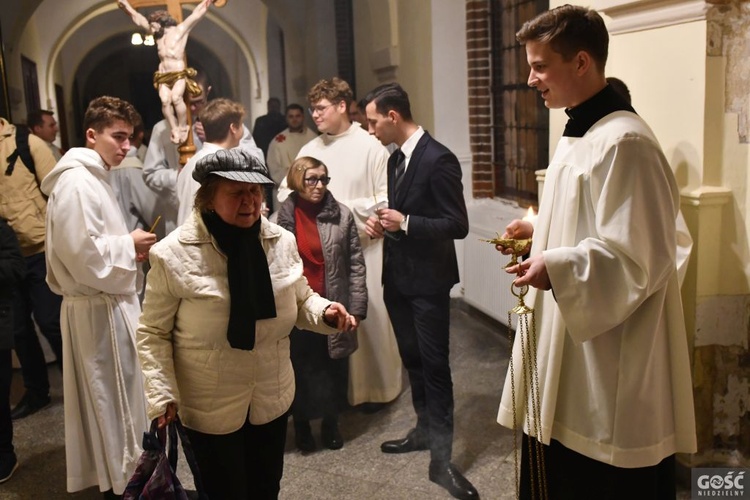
<point>334,266</point>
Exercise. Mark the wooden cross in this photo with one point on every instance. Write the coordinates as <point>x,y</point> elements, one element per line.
<point>174,7</point>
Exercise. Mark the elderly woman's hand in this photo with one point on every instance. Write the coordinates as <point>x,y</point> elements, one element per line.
<point>168,416</point>
<point>337,316</point>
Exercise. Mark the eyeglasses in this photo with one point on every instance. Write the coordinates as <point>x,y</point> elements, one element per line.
<point>320,109</point>
<point>313,181</point>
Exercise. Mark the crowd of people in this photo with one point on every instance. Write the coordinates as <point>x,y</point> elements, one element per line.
<point>302,286</point>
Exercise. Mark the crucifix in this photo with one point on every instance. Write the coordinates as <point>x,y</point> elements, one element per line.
<point>174,7</point>
<point>173,77</point>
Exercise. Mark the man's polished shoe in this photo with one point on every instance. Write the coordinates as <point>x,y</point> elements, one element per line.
<point>30,403</point>
<point>446,475</point>
<point>414,441</point>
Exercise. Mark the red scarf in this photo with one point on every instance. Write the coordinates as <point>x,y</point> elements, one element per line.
<point>308,243</point>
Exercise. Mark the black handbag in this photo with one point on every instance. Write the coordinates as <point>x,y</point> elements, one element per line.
<point>155,474</point>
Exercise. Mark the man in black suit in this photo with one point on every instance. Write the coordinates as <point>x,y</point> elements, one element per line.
<point>426,212</point>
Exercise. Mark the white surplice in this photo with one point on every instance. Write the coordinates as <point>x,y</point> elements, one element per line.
<point>613,364</point>
<point>357,165</point>
<point>91,263</point>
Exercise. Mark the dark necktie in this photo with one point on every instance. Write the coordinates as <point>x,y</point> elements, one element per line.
<point>399,173</point>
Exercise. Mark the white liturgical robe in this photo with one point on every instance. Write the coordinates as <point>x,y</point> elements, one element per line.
<point>91,263</point>
<point>613,365</point>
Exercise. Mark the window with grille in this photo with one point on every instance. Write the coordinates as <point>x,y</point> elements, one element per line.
<point>345,42</point>
<point>520,121</point>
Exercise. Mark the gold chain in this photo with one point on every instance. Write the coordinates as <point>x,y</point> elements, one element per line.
<point>515,418</point>
<point>528,339</point>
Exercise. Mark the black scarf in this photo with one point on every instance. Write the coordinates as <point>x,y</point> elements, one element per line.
<point>250,291</point>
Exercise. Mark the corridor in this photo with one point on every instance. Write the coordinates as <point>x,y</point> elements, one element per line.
<point>482,449</point>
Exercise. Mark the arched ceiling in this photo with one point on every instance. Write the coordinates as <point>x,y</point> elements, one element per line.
<point>229,43</point>
<point>57,35</point>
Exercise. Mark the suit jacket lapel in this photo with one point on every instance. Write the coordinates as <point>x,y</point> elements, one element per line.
<point>412,169</point>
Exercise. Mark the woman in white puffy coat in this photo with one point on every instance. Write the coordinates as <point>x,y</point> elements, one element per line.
<point>224,291</point>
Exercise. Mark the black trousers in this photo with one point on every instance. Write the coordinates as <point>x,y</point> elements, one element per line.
<point>572,476</point>
<point>6,424</point>
<point>36,298</point>
<point>245,464</point>
<point>422,327</point>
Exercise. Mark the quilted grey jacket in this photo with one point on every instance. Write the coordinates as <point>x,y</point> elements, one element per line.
<point>345,273</point>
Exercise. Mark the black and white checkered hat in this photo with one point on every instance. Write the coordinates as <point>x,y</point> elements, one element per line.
<point>232,164</point>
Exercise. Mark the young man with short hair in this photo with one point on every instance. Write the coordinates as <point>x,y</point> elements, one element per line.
<point>284,147</point>
<point>426,213</point>
<point>222,125</point>
<point>615,399</point>
<point>91,262</point>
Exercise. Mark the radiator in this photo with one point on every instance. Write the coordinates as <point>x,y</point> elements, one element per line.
<point>486,285</point>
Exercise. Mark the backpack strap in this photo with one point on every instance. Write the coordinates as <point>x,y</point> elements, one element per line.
<point>22,150</point>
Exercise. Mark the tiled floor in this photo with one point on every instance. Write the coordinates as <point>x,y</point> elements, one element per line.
<point>482,449</point>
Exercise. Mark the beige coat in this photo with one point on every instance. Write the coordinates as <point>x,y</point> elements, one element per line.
<point>182,336</point>
<point>21,201</point>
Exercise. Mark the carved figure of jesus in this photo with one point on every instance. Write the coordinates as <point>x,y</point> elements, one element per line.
<point>173,76</point>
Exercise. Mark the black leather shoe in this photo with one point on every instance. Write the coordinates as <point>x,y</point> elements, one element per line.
<point>414,441</point>
<point>446,475</point>
<point>29,404</point>
<point>330,434</point>
<point>303,437</point>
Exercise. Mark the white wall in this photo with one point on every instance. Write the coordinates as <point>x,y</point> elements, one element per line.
<point>450,88</point>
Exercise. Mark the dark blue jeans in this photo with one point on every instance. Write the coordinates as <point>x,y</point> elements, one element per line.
<point>35,298</point>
